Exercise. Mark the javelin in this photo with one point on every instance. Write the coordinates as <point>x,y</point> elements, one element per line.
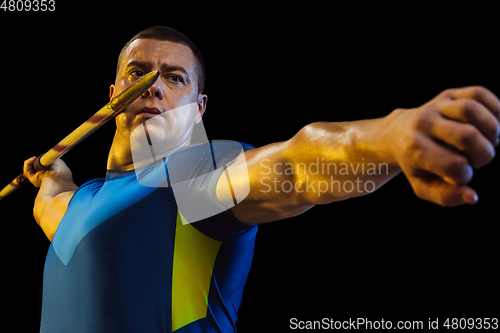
<point>110,110</point>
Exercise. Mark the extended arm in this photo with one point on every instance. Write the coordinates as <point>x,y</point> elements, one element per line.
<point>435,145</point>
<point>56,189</point>
<point>322,163</point>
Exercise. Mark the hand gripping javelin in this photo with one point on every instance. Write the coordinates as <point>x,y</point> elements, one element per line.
<point>109,111</point>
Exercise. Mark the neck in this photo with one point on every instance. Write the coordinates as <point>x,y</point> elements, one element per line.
<point>120,154</point>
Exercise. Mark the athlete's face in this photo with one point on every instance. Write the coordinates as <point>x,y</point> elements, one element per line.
<point>176,86</point>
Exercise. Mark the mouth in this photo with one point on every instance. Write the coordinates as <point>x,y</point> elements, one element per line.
<point>148,112</point>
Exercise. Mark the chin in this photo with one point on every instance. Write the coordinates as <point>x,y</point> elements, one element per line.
<point>151,140</point>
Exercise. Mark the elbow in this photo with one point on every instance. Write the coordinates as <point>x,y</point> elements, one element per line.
<point>320,133</point>
<point>306,135</point>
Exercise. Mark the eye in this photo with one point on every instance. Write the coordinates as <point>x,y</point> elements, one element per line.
<point>137,72</point>
<point>175,78</point>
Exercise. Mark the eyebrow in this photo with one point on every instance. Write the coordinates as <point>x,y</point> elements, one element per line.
<point>164,67</point>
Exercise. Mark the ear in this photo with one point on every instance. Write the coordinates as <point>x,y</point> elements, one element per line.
<point>202,106</point>
<point>111,91</point>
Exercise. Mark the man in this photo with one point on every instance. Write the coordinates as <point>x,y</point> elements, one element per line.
<point>123,258</point>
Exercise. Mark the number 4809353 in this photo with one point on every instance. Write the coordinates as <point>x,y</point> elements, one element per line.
<point>28,5</point>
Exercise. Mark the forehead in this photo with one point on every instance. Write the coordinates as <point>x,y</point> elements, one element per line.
<point>158,53</point>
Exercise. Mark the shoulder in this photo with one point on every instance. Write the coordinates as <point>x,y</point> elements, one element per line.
<point>49,213</point>
<point>194,171</point>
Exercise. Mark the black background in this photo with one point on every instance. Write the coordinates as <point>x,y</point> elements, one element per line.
<point>270,71</point>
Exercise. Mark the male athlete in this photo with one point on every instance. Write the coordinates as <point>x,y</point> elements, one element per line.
<point>123,260</point>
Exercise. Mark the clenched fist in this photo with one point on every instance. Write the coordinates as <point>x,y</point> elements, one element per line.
<point>58,168</point>
<point>438,144</point>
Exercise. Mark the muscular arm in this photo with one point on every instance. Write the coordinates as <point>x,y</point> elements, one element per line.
<point>56,189</point>
<point>322,163</point>
<point>435,145</point>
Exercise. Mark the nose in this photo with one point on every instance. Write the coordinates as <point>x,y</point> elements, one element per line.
<point>155,91</point>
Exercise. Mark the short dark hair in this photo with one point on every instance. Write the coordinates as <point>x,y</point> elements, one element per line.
<point>168,34</point>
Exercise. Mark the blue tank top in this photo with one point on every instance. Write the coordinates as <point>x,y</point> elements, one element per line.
<point>122,260</point>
